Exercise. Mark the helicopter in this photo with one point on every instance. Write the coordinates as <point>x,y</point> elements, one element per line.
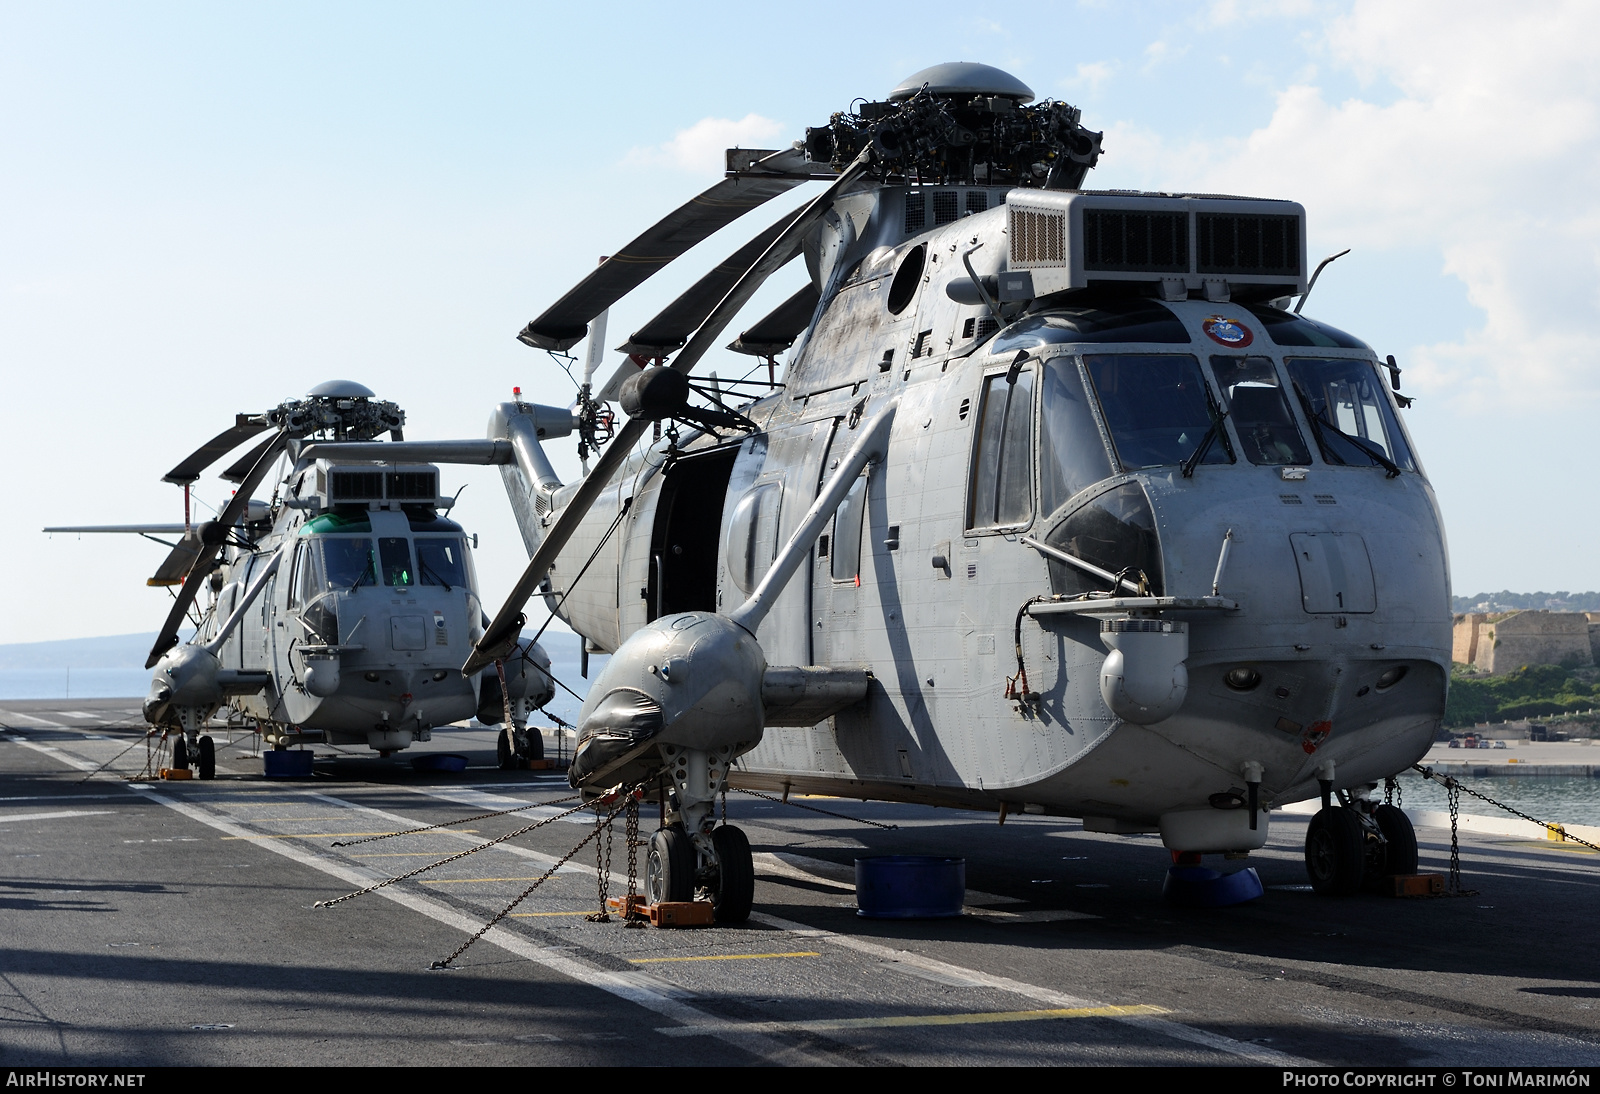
<point>1059,509</point>
<point>339,610</point>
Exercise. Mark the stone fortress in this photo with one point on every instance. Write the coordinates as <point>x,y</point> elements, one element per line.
<point>1497,643</point>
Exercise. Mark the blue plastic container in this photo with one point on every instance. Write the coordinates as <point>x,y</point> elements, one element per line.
<point>910,887</point>
<point>291,763</point>
<point>440,761</point>
<point>1200,887</point>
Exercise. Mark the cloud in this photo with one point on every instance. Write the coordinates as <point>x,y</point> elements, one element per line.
<point>1091,76</point>
<point>700,147</point>
<point>1475,136</point>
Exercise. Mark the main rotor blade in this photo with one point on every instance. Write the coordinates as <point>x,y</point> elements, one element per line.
<point>777,330</point>
<point>136,529</point>
<point>671,327</point>
<point>211,549</point>
<point>180,560</point>
<point>503,630</point>
<point>241,467</point>
<point>243,428</point>
<point>566,321</point>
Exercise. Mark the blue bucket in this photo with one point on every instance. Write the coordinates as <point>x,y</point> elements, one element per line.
<point>910,887</point>
<point>1199,887</point>
<point>440,761</point>
<point>291,763</point>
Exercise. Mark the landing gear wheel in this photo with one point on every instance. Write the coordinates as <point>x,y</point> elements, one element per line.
<point>669,868</point>
<point>736,880</point>
<point>533,750</point>
<point>504,757</point>
<point>208,758</point>
<point>1335,852</point>
<point>180,752</point>
<point>1400,857</point>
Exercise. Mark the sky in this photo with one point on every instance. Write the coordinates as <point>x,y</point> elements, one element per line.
<point>207,209</point>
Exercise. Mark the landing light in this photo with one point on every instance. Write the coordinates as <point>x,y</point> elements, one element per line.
<point>1242,679</point>
<point>1391,678</point>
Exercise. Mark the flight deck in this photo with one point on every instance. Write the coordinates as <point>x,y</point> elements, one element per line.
<point>173,923</point>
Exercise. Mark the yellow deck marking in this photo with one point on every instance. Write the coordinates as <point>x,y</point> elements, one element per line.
<point>474,880</point>
<point>536,915</point>
<point>720,957</point>
<point>400,854</point>
<point>338,835</point>
<point>285,820</point>
<point>901,1021</point>
<point>1549,845</point>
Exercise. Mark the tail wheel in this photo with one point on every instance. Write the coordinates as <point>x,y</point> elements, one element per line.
<point>1400,856</point>
<point>208,758</point>
<point>669,868</point>
<point>736,875</point>
<point>1335,852</point>
<point>180,751</point>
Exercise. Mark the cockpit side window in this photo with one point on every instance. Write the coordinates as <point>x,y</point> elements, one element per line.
<point>1157,407</point>
<point>1260,414</point>
<point>1071,454</point>
<point>1002,464</point>
<point>442,560</point>
<point>1344,400</point>
<point>394,559</point>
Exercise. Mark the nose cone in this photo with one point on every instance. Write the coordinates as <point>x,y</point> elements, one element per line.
<point>691,680</point>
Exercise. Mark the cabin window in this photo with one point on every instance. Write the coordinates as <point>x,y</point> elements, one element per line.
<point>307,581</point>
<point>1157,408</point>
<point>349,562</point>
<point>1259,411</point>
<point>753,534</point>
<point>1349,413</point>
<point>394,559</point>
<point>442,561</point>
<point>1002,465</point>
<point>1071,454</point>
<point>847,521</point>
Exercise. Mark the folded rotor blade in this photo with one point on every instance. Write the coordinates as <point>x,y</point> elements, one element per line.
<point>502,632</point>
<point>180,560</point>
<point>241,467</point>
<point>671,328</point>
<point>188,471</point>
<point>777,331</point>
<point>566,321</point>
<point>212,535</point>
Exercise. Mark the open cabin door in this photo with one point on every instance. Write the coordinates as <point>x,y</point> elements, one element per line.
<point>686,535</point>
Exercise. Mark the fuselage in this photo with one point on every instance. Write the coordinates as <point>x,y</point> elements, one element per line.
<point>1131,433</point>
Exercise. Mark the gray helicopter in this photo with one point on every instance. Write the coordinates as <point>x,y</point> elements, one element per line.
<point>340,610</point>
<point>1059,509</point>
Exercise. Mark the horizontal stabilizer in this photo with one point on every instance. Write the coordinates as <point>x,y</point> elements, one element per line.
<point>777,331</point>
<point>129,529</point>
<point>565,323</point>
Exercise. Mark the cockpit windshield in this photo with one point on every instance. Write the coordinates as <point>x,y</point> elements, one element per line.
<point>1157,408</point>
<point>1352,419</point>
<point>1259,412</point>
<point>442,560</point>
<point>349,562</point>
